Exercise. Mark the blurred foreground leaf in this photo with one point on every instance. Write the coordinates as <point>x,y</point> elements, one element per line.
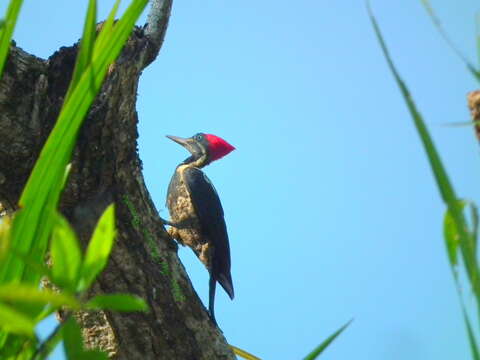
<point>5,224</point>
<point>32,295</point>
<point>72,339</point>
<point>65,254</point>
<point>85,53</point>
<point>118,302</point>
<point>456,232</point>
<point>447,192</point>
<point>15,322</point>
<point>33,223</point>
<point>6,30</point>
<point>320,348</point>
<point>99,248</point>
<point>73,343</point>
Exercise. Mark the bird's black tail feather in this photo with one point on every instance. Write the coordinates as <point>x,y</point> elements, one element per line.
<point>227,284</point>
<point>211,298</point>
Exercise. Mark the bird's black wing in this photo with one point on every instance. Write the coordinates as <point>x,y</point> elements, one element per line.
<point>210,215</point>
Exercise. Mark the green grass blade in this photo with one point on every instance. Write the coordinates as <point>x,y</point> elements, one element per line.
<point>438,25</point>
<point>470,333</point>
<point>99,248</point>
<point>107,27</point>
<point>46,223</point>
<point>320,348</point>
<point>474,231</point>
<point>471,336</point>
<point>32,225</point>
<point>443,183</point>
<point>446,189</point>
<point>84,55</point>
<point>7,30</point>
<point>34,222</point>
<point>109,43</point>
<point>117,302</point>
<point>57,151</point>
<point>75,107</point>
<point>452,241</point>
<point>39,244</point>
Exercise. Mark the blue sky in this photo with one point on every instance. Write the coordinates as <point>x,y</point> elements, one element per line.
<point>330,203</point>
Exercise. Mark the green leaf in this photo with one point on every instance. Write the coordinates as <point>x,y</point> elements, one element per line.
<point>15,322</point>
<point>99,248</point>
<point>7,28</point>
<point>65,254</point>
<point>72,340</point>
<point>31,294</point>
<point>118,302</point>
<point>320,348</point>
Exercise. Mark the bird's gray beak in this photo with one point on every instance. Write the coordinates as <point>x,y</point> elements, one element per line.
<point>179,140</point>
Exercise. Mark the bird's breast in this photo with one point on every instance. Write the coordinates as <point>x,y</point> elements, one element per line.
<point>182,212</point>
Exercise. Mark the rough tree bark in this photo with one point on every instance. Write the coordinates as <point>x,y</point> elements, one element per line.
<point>106,168</point>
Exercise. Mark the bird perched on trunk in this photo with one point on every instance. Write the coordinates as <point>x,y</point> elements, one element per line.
<point>196,212</point>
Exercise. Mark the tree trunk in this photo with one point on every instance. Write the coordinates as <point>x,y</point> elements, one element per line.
<point>106,168</point>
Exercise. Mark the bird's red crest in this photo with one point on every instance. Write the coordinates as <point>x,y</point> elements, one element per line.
<point>218,147</point>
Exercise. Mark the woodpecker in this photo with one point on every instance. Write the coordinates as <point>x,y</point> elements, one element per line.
<point>196,212</point>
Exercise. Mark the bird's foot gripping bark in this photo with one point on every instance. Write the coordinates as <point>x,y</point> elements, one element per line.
<point>166,222</point>
<point>184,224</point>
<point>173,231</point>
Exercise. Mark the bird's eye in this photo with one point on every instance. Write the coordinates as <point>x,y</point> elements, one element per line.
<point>199,137</point>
